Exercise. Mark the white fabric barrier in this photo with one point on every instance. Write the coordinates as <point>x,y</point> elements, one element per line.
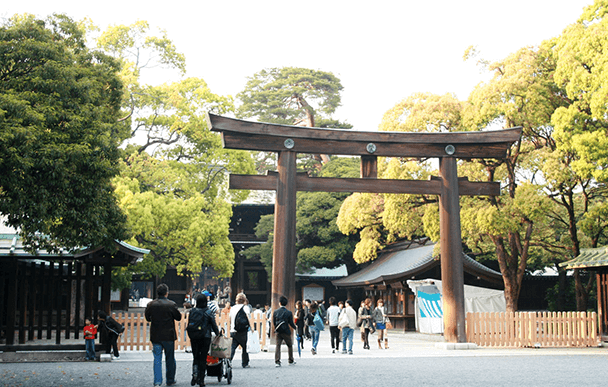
<point>476,299</point>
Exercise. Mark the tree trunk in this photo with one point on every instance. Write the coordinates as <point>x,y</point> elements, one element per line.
<point>561,289</point>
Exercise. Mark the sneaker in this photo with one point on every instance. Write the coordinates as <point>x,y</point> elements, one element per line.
<point>343,352</point>
<point>350,352</point>
<point>314,352</point>
<point>247,366</point>
<point>115,357</point>
<point>292,363</point>
<point>333,351</point>
<point>172,383</point>
<point>277,365</point>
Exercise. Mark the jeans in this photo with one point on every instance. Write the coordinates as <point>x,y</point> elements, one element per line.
<point>314,332</point>
<point>157,350</point>
<point>89,344</point>
<point>347,333</point>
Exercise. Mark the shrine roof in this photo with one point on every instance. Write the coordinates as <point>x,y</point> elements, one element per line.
<point>11,246</point>
<point>588,258</point>
<point>400,264</point>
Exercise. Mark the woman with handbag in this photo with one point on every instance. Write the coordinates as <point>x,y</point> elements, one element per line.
<point>299,320</point>
<point>201,322</point>
<point>310,322</point>
<point>380,318</point>
<point>365,315</point>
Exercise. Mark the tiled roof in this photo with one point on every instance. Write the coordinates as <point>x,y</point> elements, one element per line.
<point>403,264</point>
<point>597,257</point>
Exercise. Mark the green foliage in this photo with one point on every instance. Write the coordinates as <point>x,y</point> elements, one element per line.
<point>290,95</point>
<point>582,69</point>
<point>173,182</point>
<point>424,112</point>
<point>59,137</point>
<point>180,226</point>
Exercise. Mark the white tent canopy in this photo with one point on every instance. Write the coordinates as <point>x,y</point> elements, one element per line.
<point>476,299</point>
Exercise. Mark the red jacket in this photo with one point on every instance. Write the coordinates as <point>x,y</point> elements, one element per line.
<point>90,331</point>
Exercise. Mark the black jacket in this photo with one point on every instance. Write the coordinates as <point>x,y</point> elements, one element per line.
<point>284,316</point>
<point>209,323</point>
<point>162,314</point>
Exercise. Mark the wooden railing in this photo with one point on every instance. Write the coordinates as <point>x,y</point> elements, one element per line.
<point>533,329</point>
<point>136,336</point>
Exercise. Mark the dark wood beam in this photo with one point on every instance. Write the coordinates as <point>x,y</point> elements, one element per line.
<point>239,134</point>
<point>369,185</point>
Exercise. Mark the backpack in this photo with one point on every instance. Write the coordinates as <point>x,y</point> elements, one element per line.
<point>197,324</point>
<point>241,322</point>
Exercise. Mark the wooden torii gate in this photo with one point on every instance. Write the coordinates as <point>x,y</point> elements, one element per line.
<point>287,141</point>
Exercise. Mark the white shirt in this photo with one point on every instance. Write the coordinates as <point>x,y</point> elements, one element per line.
<point>233,311</point>
<point>333,314</point>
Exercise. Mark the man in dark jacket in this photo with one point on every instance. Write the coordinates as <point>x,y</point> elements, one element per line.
<point>162,314</point>
<point>282,320</point>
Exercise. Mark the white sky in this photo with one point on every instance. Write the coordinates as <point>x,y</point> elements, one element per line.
<point>382,51</point>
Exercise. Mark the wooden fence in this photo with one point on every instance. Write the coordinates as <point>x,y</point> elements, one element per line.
<point>136,336</point>
<point>533,329</point>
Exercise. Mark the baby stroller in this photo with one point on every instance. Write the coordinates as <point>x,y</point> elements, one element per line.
<point>222,368</point>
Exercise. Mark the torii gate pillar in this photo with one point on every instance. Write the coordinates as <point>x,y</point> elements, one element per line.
<point>452,271</point>
<point>284,251</point>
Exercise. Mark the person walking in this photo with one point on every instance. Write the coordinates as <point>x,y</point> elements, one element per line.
<point>310,323</point>
<point>365,316</point>
<point>239,325</point>
<point>379,316</point>
<point>348,323</point>
<point>282,320</point>
<point>110,330</point>
<point>333,314</point>
<point>162,314</point>
<point>300,317</point>
<point>201,323</point>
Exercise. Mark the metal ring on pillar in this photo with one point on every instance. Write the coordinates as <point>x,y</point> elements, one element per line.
<point>371,147</point>
<point>450,150</point>
<point>289,143</point>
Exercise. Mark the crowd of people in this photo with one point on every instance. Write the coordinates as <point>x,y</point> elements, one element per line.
<point>307,322</point>
<point>311,317</point>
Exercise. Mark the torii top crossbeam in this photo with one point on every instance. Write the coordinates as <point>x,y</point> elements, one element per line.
<point>240,134</point>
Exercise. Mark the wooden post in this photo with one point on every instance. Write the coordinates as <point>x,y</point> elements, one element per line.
<point>106,286</point>
<point>452,272</point>
<point>11,304</point>
<point>284,252</point>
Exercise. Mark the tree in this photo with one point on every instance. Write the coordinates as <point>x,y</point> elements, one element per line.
<point>582,70</point>
<point>59,110</point>
<point>172,186</point>
<point>319,241</point>
<point>292,96</point>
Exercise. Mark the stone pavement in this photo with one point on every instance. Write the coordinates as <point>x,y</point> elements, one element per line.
<point>413,359</point>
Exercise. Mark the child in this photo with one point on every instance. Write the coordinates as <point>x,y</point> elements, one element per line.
<point>90,331</point>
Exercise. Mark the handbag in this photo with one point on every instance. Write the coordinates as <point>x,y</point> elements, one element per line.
<point>220,347</point>
<point>389,325</point>
<point>253,342</point>
<point>318,321</point>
